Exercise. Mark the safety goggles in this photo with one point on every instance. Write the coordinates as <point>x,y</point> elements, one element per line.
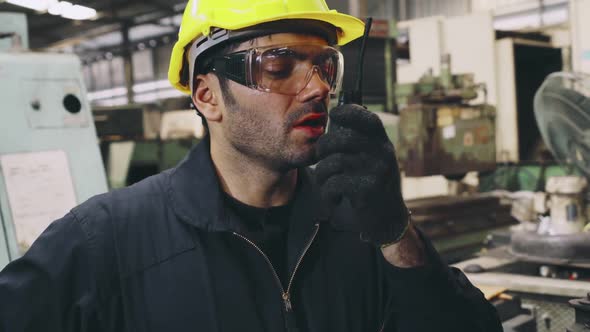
<point>285,69</point>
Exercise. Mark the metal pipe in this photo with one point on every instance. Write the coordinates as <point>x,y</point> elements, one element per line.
<point>389,9</point>
<point>403,10</point>
<point>127,58</point>
<point>354,8</point>
<point>391,69</point>
<point>357,8</point>
<point>541,12</point>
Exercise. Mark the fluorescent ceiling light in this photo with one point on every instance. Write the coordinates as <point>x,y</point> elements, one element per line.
<point>151,86</point>
<point>59,7</point>
<point>109,93</point>
<point>54,7</point>
<point>38,5</point>
<point>77,12</point>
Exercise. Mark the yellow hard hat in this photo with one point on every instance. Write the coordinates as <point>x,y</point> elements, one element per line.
<point>202,16</point>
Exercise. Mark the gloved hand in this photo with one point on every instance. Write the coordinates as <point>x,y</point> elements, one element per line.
<point>357,161</point>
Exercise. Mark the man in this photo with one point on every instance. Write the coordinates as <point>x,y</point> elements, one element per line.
<point>241,236</point>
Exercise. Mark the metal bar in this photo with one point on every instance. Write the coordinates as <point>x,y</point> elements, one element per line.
<point>391,69</point>
<point>541,12</point>
<point>102,29</point>
<point>389,9</point>
<point>117,50</point>
<point>358,8</point>
<point>403,10</point>
<point>4,240</point>
<point>127,58</point>
<point>160,6</point>
<point>535,285</point>
<point>354,8</point>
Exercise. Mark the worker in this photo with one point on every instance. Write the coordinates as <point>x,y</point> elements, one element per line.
<point>242,235</point>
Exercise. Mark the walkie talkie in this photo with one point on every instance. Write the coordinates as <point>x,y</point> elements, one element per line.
<point>356,96</point>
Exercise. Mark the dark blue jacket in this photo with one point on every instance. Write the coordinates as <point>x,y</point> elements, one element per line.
<point>167,255</point>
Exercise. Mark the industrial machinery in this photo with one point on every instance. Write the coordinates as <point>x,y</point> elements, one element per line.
<point>13,31</point>
<point>447,128</point>
<point>457,225</point>
<point>127,122</point>
<point>582,314</point>
<point>547,263</point>
<point>140,140</point>
<point>562,109</point>
<point>441,132</point>
<point>381,54</point>
<point>49,155</point>
<point>514,316</point>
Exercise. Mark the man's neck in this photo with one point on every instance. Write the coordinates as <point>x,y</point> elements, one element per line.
<point>250,182</point>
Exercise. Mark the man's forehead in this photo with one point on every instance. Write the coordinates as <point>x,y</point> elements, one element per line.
<point>281,39</point>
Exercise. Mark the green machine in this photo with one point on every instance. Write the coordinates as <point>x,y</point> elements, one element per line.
<point>49,156</point>
<point>441,130</point>
<point>446,129</point>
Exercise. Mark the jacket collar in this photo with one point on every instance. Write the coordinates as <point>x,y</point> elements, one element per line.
<point>194,192</point>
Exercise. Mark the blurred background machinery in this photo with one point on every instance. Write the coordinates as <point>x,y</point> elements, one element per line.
<point>440,132</point>
<point>454,82</point>
<point>140,140</point>
<point>447,128</point>
<point>545,260</point>
<point>49,157</point>
<point>582,314</point>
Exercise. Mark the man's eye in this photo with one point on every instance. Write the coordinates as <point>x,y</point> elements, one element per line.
<point>278,70</point>
<point>277,73</point>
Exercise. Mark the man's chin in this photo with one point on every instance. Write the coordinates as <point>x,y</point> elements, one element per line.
<point>304,159</point>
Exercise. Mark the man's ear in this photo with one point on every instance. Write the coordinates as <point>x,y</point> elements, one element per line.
<point>205,97</point>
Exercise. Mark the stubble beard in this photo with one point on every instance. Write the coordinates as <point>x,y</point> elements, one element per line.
<point>255,140</point>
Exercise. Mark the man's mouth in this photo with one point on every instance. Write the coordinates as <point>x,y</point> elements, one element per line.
<point>314,120</point>
<point>312,125</point>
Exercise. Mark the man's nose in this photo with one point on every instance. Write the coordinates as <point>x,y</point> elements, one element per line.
<point>316,89</point>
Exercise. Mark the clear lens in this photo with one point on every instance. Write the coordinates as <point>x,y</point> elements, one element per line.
<point>288,69</point>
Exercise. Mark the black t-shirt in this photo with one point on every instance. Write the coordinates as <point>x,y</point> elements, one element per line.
<point>267,228</point>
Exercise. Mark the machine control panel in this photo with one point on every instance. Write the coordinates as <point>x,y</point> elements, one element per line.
<point>54,103</point>
<point>49,155</point>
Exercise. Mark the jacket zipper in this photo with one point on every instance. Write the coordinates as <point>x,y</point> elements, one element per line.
<point>285,294</point>
<point>385,321</point>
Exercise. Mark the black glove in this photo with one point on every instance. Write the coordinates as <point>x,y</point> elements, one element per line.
<point>357,161</point>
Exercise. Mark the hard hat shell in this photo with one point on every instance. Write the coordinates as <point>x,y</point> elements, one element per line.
<point>201,16</point>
